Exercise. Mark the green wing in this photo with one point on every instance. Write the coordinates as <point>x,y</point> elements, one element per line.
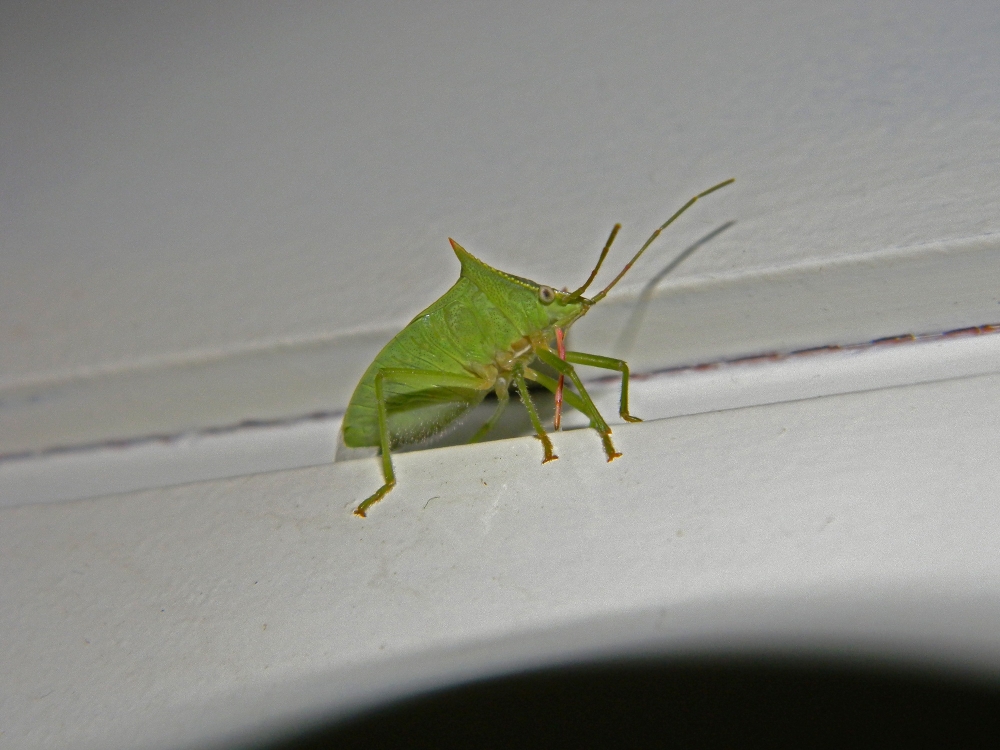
<point>434,341</point>
<point>460,332</point>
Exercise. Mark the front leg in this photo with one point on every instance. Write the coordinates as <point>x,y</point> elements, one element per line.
<point>563,367</point>
<point>607,363</point>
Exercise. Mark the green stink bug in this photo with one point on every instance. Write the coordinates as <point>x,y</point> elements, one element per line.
<point>482,335</point>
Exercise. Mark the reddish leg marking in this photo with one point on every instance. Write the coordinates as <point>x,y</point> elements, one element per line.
<point>561,350</point>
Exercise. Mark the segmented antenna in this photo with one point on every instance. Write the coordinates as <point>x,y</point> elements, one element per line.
<point>601,295</point>
<point>593,274</point>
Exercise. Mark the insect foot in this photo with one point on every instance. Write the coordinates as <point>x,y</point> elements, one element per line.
<point>362,510</point>
<point>547,444</point>
<point>609,448</point>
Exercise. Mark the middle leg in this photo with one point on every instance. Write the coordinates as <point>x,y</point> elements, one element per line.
<point>522,389</point>
<point>563,367</point>
<point>503,398</point>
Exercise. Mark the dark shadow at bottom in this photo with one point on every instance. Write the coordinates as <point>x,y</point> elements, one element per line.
<point>691,702</point>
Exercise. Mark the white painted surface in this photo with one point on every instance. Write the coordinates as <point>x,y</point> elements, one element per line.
<point>123,610</point>
<point>217,213</point>
<point>190,189</point>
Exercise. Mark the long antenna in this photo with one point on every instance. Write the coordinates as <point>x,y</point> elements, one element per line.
<point>600,295</point>
<point>593,274</point>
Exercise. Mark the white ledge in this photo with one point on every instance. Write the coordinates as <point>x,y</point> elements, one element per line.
<point>125,611</point>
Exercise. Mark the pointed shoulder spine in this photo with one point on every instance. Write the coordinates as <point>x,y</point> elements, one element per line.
<point>469,261</point>
<point>477,271</point>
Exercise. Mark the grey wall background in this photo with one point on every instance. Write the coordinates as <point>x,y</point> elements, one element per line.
<point>187,179</point>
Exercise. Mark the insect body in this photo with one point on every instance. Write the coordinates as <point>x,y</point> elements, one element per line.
<point>482,335</point>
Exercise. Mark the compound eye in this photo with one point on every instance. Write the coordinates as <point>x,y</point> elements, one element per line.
<point>546,294</point>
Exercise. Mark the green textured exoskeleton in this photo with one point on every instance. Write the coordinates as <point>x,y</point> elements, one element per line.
<point>482,335</point>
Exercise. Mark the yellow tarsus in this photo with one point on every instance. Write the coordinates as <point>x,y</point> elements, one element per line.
<point>609,448</point>
<point>362,510</point>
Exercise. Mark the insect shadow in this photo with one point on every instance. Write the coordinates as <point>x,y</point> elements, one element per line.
<point>626,340</point>
<point>512,423</point>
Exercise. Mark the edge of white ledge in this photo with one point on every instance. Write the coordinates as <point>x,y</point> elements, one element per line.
<point>930,288</point>
<point>77,474</point>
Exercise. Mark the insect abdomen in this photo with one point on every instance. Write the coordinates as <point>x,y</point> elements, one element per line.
<point>458,334</point>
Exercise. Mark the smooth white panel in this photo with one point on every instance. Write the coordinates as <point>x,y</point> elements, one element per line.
<point>123,610</point>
